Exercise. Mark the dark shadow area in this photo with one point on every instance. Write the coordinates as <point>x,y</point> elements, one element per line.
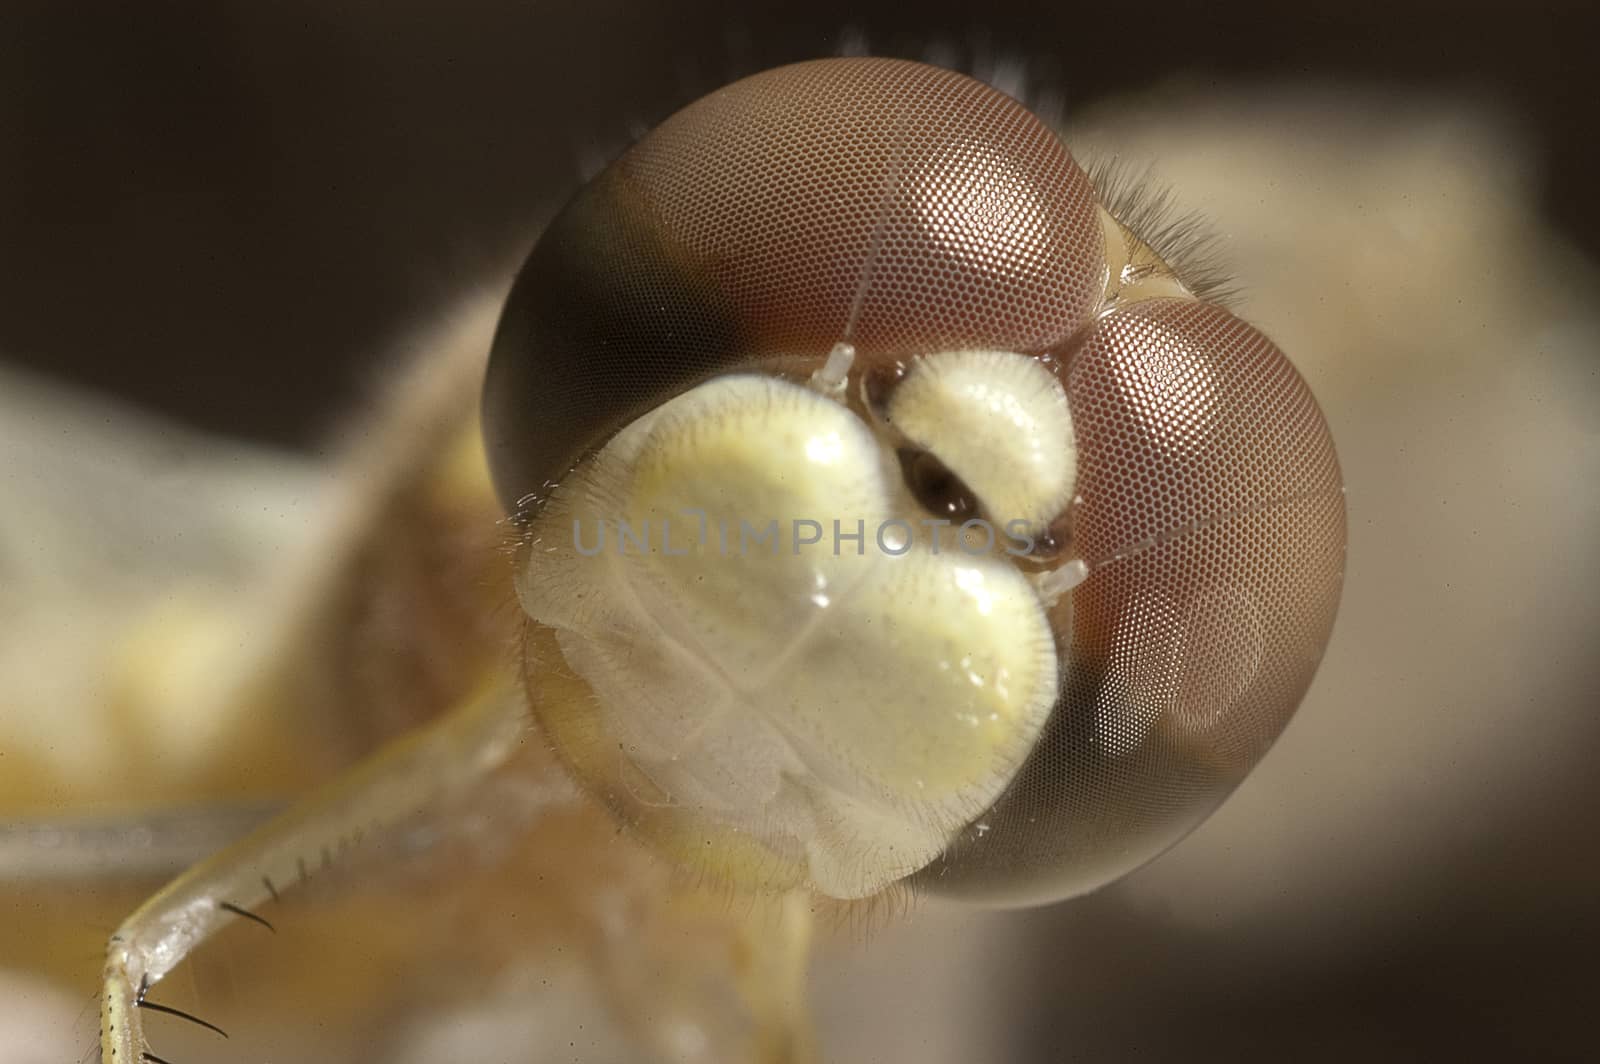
<point>224,210</point>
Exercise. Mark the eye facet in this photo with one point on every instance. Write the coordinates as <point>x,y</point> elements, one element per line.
<point>775,669</point>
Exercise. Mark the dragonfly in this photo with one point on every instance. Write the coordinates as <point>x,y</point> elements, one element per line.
<point>858,499</point>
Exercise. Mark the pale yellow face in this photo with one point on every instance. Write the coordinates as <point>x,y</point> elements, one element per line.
<point>784,644</point>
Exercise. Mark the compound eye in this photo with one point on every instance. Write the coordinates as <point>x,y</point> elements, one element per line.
<point>896,206</point>
<point>1211,503</point>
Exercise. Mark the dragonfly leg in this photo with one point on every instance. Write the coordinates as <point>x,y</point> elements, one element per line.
<point>412,774</point>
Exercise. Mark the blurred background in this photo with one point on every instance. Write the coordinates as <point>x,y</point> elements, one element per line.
<point>230,214</point>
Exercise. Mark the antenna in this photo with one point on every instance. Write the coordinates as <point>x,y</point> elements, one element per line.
<point>891,185</point>
<point>830,379</point>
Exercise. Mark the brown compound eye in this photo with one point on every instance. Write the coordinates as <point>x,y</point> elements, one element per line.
<point>900,207</point>
<point>1211,508</point>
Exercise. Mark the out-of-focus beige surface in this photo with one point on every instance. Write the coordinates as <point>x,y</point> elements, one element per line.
<point>128,548</point>
<point>1409,872</point>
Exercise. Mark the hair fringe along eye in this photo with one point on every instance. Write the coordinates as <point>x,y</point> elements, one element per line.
<point>1185,240</point>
